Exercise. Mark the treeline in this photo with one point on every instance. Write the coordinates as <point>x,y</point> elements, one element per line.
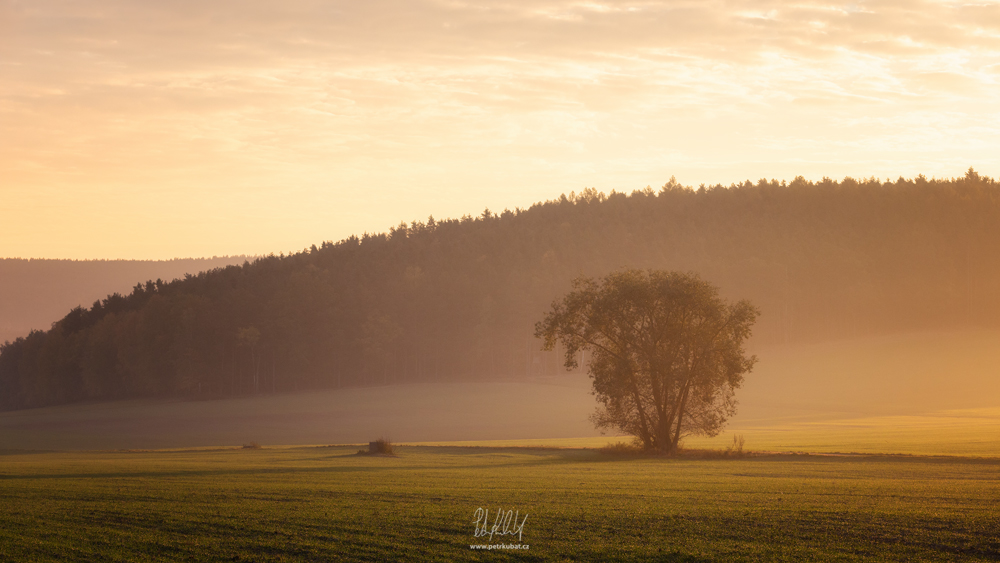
<point>34,292</point>
<point>458,299</point>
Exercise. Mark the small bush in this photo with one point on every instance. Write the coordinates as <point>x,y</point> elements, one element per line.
<point>736,448</point>
<point>382,446</point>
<point>622,449</point>
<point>251,446</point>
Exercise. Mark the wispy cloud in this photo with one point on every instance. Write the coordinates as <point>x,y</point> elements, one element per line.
<point>295,116</point>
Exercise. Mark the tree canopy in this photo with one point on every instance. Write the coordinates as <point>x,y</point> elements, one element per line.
<point>666,351</point>
<point>458,299</point>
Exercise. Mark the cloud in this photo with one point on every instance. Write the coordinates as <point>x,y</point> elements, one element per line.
<point>255,97</point>
<point>169,47</point>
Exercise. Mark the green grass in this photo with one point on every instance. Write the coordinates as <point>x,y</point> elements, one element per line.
<point>920,394</point>
<point>328,504</point>
<point>965,432</point>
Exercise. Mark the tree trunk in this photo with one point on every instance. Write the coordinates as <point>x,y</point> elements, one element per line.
<point>678,420</point>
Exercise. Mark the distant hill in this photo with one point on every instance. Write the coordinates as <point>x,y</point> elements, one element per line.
<point>458,299</point>
<point>35,293</point>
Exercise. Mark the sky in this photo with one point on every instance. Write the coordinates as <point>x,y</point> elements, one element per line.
<point>186,128</point>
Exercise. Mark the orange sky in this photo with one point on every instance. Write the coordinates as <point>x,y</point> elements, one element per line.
<point>208,127</point>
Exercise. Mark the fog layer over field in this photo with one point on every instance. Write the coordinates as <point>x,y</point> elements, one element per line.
<point>795,391</point>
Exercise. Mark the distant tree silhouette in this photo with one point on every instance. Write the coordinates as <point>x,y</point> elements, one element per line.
<point>667,352</point>
<point>249,338</point>
<point>379,334</point>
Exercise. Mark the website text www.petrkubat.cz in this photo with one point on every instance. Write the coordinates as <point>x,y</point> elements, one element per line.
<point>501,546</point>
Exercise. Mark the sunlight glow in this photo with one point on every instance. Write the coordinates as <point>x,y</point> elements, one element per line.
<point>252,127</point>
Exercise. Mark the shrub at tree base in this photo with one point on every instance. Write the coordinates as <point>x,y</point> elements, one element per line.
<point>622,449</point>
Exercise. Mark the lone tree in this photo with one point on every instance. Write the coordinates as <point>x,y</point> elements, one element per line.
<point>666,351</point>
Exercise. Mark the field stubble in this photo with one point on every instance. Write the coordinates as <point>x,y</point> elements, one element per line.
<point>328,504</point>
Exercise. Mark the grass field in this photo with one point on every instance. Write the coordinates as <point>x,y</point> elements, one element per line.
<point>526,445</point>
<point>328,504</point>
<point>965,432</point>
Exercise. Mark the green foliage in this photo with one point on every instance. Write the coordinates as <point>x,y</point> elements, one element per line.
<point>667,351</point>
<point>326,504</point>
<point>454,299</point>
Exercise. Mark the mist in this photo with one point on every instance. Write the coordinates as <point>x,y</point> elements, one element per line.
<point>913,374</point>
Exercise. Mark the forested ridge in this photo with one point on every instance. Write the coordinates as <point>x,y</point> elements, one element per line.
<point>458,299</point>
<point>33,292</point>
